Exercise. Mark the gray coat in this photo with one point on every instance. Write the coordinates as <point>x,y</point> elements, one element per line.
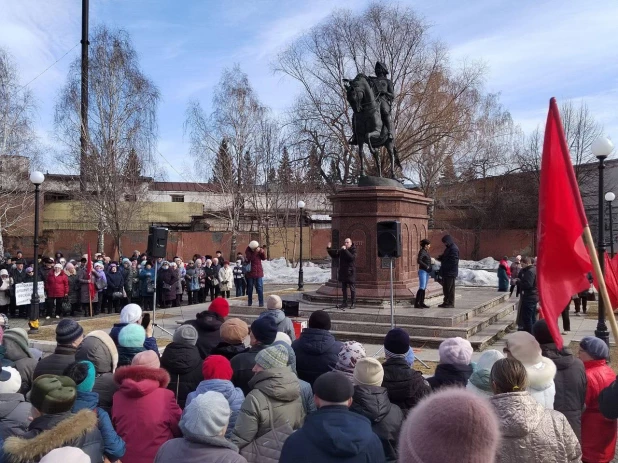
<point>24,362</point>
<point>531,433</point>
<point>284,324</point>
<point>84,290</point>
<point>14,413</point>
<point>194,450</point>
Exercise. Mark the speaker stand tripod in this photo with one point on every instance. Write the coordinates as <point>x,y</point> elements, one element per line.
<point>154,306</point>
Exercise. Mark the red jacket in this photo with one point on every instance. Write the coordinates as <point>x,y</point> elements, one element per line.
<point>598,433</point>
<point>57,286</point>
<point>255,258</point>
<point>144,413</point>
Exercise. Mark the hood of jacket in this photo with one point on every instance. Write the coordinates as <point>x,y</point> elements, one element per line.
<point>87,400</point>
<point>315,341</point>
<point>338,431</point>
<point>139,381</point>
<point>65,432</point>
<point>227,388</point>
<point>519,413</point>
<point>99,348</point>
<point>541,376</point>
<point>207,321</point>
<point>9,402</point>
<point>372,402</point>
<point>181,359</point>
<point>481,379</point>
<point>563,359</point>
<point>277,383</point>
<point>277,314</point>
<point>14,351</point>
<point>447,240</point>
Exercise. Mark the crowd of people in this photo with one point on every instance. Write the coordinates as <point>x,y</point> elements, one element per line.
<point>213,396</point>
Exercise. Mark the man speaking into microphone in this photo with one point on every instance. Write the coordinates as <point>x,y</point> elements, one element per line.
<point>347,270</point>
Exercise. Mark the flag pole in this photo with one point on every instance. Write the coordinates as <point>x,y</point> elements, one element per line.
<point>596,266</point>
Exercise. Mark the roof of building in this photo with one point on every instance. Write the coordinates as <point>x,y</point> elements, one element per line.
<point>183,186</point>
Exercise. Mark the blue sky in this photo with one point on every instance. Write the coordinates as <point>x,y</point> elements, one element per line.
<point>533,50</point>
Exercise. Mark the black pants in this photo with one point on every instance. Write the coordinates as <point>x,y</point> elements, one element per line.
<point>225,294</point>
<point>344,288</point>
<point>146,302</point>
<point>192,296</point>
<point>113,305</point>
<point>201,295</point>
<point>566,321</point>
<point>581,302</point>
<point>448,289</point>
<point>52,303</point>
<point>210,289</point>
<point>528,315</point>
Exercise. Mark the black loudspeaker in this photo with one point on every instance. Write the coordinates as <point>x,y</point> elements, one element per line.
<point>157,242</point>
<point>389,239</point>
<point>290,308</point>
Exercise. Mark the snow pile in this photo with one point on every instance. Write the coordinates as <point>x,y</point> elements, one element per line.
<point>469,277</point>
<point>488,263</point>
<point>277,271</point>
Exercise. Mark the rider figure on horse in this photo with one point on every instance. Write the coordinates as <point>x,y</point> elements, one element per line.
<point>385,95</point>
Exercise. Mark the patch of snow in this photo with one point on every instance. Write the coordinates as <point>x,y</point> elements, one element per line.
<point>321,217</point>
<point>469,277</point>
<point>488,263</point>
<point>278,271</point>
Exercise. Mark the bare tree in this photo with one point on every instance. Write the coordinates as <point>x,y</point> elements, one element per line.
<point>122,135</point>
<point>19,148</point>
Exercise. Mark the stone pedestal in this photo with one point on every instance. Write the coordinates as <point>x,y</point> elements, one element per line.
<point>356,213</point>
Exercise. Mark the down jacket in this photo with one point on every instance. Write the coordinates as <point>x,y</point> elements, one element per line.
<point>15,342</point>
<point>277,389</point>
<point>316,352</point>
<point>234,396</point>
<point>284,324</point>
<point>57,285</point>
<point>207,325</point>
<point>56,363</point>
<point>255,259</point>
<point>405,386</point>
<point>242,366</point>
<point>14,413</point>
<point>184,364</point>
<point>531,433</point>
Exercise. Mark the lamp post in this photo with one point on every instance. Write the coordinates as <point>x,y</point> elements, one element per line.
<point>601,148</point>
<point>301,206</point>
<point>609,198</point>
<point>36,178</point>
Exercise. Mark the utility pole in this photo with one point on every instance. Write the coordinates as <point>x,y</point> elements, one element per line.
<point>83,139</point>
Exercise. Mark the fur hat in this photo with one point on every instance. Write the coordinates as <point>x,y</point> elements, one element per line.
<point>452,425</point>
<point>320,320</point>
<point>130,313</point>
<point>132,335</point>
<point>264,329</point>
<point>524,347</point>
<point>147,358</point>
<point>206,416</point>
<point>185,334</point>
<point>19,337</point>
<point>53,394</point>
<point>234,330</point>
<point>220,306</point>
<point>595,347</point>
<point>368,372</point>
<point>83,373</point>
<point>217,367</point>
<point>68,331</point>
<point>334,387</point>
<point>254,245</point>
<point>455,351</point>
<point>273,302</point>
<point>10,381</point>
<point>66,455</point>
<point>272,357</point>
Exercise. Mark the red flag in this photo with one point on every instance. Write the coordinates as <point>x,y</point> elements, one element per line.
<point>89,269</point>
<point>563,261</point>
<point>611,279</point>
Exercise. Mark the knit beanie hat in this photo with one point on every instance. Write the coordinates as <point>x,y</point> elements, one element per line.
<point>234,331</point>
<point>334,387</point>
<point>524,348</point>
<point>368,372</point>
<point>147,358</point>
<point>68,331</point>
<point>185,334</point>
<point>83,373</point>
<point>272,357</point>
<point>595,347</point>
<point>66,455</point>
<point>264,329</point>
<point>52,394</point>
<point>217,367</point>
<point>132,335</point>
<point>320,320</point>
<point>397,341</point>
<point>220,306</point>
<point>206,416</point>
<point>19,336</point>
<point>281,336</point>
<point>10,381</point>
<point>452,425</point>
<point>349,355</point>
<point>455,351</point>
<point>291,354</point>
<point>254,245</point>
<point>541,333</point>
<point>273,302</point>
<point>130,313</point>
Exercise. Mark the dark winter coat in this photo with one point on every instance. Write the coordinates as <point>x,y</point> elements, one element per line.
<point>56,363</point>
<point>608,401</point>
<point>17,276</point>
<point>570,382</point>
<point>242,365</point>
<point>333,434</point>
<point>194,449</point>
<point>74,288</point>
<point>146,279</point>
<point>347,263</point>
<point>184,364</point>
<point>57,285</point>
<point>85,277</point>
<point>229,351</point>
<point>450,375</point>
<point>49,432</point>
<point>126,354</point>
<point>255,259</point>
<point>316,353</point>
<point>145,413</point>
<point>14,413</point>
<point>207,325</point>
<point>424,260</point>
<point>386,418</point>
<point>405,386</point>
<point>449,258</point>
<point>527,285</point>
<point>168,279</point>
<point>115,281</point>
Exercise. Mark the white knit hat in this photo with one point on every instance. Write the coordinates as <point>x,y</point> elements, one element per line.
<point>131,313</point>
<point>205,416</point>
<point>11,384</point>
<point>273,302</point>
<point>283,337</point>
<point>254,245</point>
<point>66,455</point>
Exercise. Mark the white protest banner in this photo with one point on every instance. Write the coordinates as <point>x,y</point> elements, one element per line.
<point>23,293</point>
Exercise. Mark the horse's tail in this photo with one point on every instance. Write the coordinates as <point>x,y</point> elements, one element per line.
<point>396,156</point>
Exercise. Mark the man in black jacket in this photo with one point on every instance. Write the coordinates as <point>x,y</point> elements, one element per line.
<point>69,335</point>
<point>529,294</point>
<point>347,270</point>
<point>449,271</point>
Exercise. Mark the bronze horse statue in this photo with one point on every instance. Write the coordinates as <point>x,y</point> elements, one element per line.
<point>367,123</point>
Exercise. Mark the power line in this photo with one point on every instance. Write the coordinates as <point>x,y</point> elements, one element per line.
<point>48,68</point>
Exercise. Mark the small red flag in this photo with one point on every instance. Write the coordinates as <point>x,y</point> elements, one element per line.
<point>89,269</point>
<point>563,261</point>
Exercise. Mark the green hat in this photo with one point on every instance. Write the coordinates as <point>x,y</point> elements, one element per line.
<point>53,394</point>
<point>272,357</point>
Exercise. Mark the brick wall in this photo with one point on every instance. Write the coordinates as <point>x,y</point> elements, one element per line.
<point>489,243</point>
